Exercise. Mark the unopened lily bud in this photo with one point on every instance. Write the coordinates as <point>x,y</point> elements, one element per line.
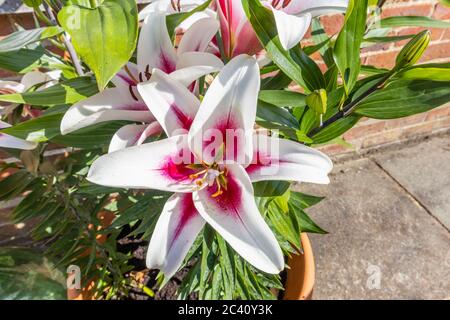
<point>413,50</point>
<point>317,101</point>
<point>33,3</point>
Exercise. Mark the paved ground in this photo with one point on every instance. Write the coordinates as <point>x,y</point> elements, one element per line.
<point>388,218</point>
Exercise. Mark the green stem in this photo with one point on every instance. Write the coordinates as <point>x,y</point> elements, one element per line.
<point>349,108</point>
<point>94,3</point>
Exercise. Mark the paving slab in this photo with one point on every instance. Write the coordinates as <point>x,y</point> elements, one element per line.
<point>381,243</point>
<point>424,171</point>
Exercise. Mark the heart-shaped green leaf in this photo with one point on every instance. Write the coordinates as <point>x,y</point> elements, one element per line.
<point>104,37</point>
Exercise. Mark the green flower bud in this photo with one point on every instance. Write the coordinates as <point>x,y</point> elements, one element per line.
<point>413,50</point>
<point>317,101</point>
<point>33,3</point>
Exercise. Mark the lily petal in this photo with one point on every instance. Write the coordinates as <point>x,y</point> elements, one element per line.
<point>110,104</point>
<point>198,36</point>
<point>155,49</point>
<point>316,7</point>
<point>166,7</point>
<point>33,78</point>
<point>157,165</point>
<point>235,216</point>
<point>227,113</point>
<point>133,135</point>
<point>8,141</point>
<point>193,65</point>
<point>290,36</point>
<point>174,234</point>
<point>128,76</point>
<point>173,105</point>
<point>281,159</point>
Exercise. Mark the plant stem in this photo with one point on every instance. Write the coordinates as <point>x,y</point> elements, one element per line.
<point>70,49</point>
<point>349,108</point>
<point>93,3</point>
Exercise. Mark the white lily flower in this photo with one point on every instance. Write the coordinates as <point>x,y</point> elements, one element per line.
<point>217,190</point>
<point>175,6</point>
<point>293,17</point>
<point>155,52</point>
<point>8,141</point>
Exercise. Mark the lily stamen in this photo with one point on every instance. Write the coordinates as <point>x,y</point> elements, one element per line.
<point>176,5</point>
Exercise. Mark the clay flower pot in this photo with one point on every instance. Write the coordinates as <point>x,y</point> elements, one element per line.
<point>301,275</point>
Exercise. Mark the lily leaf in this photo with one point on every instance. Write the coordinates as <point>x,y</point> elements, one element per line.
<point>348,44</point>
<point>105,37</point>
<point>413,21</point>
<point>66,92</point>
<point>21,39</point>
<point>402,98</point>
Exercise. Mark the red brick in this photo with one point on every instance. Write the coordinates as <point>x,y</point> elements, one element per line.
<point>382,59</point>
<point>364,130</point>
<point>334,149</point>
<point>417,130</point>
<point>441,12</point>
<point>332,24</point>
<point>438,113</point>
<point>436,34</point>
<point>382,138</point>
<point>416,9</point>
<point>437,51</point>
<point>408,121</point>
<point>442,123</point>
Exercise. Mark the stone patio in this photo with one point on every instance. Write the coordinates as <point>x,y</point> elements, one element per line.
<point>388,218</point>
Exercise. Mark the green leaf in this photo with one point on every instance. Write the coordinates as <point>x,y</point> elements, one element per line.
<point>14,184</point>
<point>311,73</point>
<point>388,38</point>
<point>173,20</point>
<point>276,114</point>
<point>277,82</point>
<point>28,275</point>
<point>104,37</point>
<point>66,92</point>
<point>413,21</point>
<point>298,202</point>
<point>264,25</point>
<point>402,98</point>
<point>435,72</point>
<point>92,137</point>
<point>270,188</point>
<point>304,200</point>
<point>26,60</point>
<point>283,98</point>
<point>336,129</point>
<point>319,36</point>
<point>38,129</point>
<point>348,43</point>
<point>20,39</point>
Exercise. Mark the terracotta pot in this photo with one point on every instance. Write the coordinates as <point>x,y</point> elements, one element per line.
<point>301,275</point>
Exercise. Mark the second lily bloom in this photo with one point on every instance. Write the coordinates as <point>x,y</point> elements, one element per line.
<point>292,18</point>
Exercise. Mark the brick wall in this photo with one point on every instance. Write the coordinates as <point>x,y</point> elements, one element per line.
<point>368,133</point>
<point>371,133</point>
